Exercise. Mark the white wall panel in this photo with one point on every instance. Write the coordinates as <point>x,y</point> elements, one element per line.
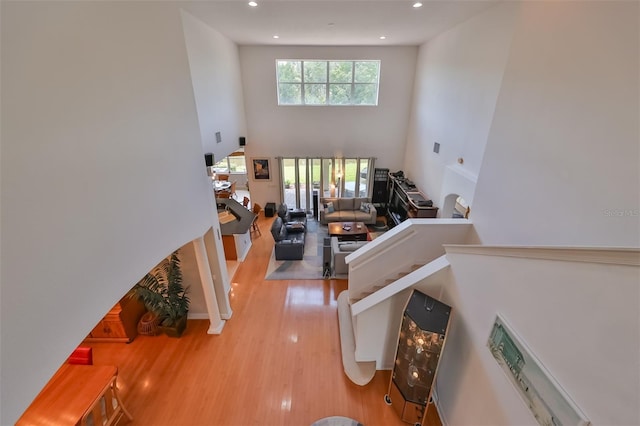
<point>562,164</point>
<point>364,131</point>
<point>102,171</point>
<point>565,312</point>
<point>215,72</point>
<point>458,79</point>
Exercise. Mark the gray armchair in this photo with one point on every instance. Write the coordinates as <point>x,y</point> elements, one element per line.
<point>339,251</point>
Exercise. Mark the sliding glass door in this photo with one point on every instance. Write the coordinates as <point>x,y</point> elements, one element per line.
<point>330,177</point>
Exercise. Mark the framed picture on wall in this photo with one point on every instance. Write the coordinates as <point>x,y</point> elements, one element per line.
<point>261,169</point>
<point>548,401</point>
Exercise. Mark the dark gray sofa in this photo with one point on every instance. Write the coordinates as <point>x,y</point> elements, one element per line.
<point>289,239</point>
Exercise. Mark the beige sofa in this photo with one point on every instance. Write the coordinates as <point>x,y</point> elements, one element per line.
<point>347,210</point>
<point>339,251</point>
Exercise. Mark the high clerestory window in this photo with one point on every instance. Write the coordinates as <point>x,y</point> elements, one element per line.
<point>319,82</point>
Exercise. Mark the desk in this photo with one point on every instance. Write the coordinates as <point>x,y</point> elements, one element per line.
<point>74,394</point>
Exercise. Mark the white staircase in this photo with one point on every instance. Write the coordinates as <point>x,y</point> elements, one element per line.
<point>381,276</point>
<point>359,373</point>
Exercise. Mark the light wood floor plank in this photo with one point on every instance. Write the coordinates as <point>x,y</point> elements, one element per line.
<point>277,361</point>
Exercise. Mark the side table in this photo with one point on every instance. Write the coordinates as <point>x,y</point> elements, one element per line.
<point>270,209</point>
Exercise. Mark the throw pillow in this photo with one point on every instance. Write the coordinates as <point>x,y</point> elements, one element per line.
<point>330,207</point>
<point>295,227</point>
<point>364,207</point>
<point>351,245</point>
<point>282,211</point>
<point>348,246</point>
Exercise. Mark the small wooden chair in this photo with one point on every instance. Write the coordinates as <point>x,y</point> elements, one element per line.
<point>245,202</point>
<point>254,225</point>
<point>222,177</point>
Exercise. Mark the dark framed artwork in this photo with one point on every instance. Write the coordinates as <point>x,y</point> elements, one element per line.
<point>261,169</point>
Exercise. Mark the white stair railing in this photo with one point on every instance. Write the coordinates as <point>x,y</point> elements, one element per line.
<point>397,252</point>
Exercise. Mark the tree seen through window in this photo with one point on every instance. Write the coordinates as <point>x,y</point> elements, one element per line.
<point>316,82</point>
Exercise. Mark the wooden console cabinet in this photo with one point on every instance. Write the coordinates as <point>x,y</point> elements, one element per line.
<point>120,324</point>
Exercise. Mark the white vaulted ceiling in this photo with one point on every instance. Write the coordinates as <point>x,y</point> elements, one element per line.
<point>339,23</point>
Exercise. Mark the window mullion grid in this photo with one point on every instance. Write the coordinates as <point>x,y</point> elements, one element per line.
<point>357,183</point>
<point>326,89</point>
<point>302,83</point>
<point>353,79</point>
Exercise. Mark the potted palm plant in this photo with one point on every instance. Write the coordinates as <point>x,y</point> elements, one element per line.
<point>163,294</point>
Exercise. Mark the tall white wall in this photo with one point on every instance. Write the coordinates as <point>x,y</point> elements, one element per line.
<point>560,167</point>
<point>215,72</point>
<point>325,131</point>
<point>458,79</point>
<point>562,164</point>
<point>102,172</point>
<point>579,319</point>
<point>214,64</point>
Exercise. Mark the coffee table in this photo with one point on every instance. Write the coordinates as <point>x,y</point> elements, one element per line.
<point>348,231</point>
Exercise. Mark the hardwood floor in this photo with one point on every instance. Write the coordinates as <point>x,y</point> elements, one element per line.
<point>277,361</point>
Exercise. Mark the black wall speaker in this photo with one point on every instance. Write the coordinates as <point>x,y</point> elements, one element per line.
<point>208,159</point>
<point>243,141</point>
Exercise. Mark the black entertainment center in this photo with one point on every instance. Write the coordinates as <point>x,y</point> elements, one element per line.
<point>406,200</point>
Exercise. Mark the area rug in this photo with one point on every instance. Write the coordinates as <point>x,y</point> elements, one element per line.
<point>337,421</point>
<point>310,267</point>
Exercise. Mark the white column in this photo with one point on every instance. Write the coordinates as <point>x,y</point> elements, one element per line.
<point>216,322</point>
<point>218,266</point>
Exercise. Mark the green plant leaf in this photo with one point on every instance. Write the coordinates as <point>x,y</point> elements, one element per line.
<point>162,291</point>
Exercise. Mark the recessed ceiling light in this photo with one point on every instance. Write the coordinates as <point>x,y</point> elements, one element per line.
<point>383,37</point>
<point>417,4</point>
<point>253,4</point>
<point>276,36</point>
